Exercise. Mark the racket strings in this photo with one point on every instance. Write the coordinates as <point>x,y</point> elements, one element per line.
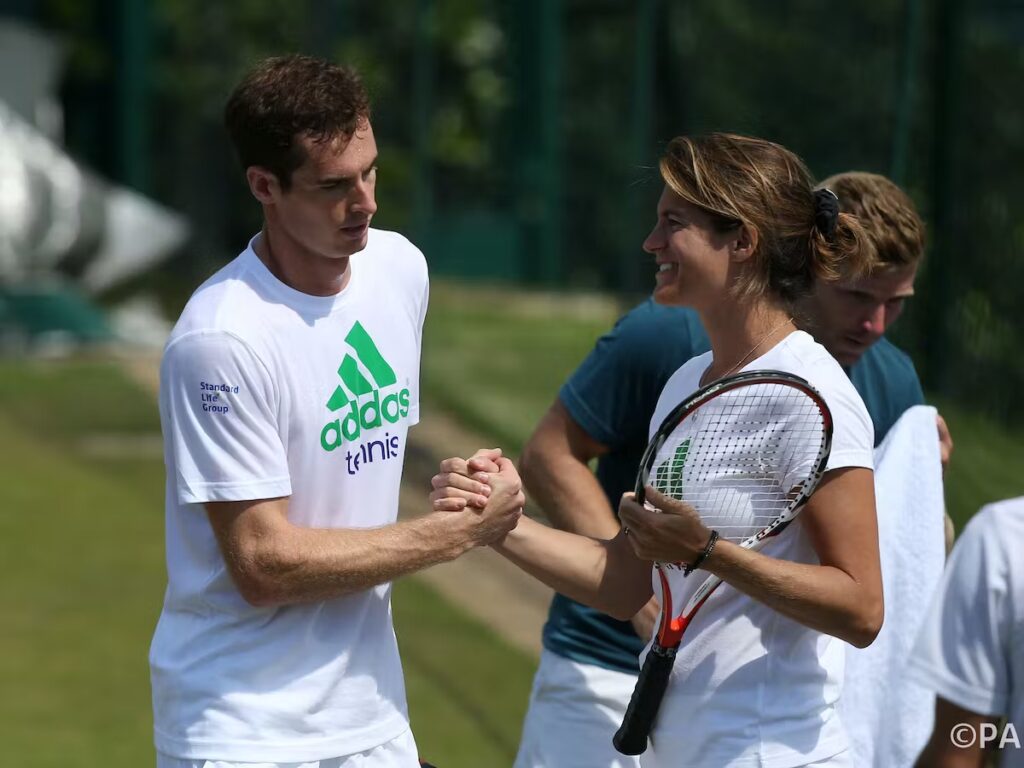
<point>741,457</point>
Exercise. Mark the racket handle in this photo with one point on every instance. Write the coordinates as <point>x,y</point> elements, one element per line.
<point>631,738</point>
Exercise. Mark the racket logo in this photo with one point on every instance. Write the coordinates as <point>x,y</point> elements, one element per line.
<point>669,476</point>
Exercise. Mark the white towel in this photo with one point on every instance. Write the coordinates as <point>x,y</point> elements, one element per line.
<point>888,717</point>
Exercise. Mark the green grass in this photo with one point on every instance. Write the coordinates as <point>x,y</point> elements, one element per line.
<point>81,542</point>
<point>467,687</point>
<point>986,462</point>
<point>82,547</point>
<point>496,360</point>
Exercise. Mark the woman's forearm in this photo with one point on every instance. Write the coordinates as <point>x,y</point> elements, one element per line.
<point>821,597</point>
<point>602,574</point>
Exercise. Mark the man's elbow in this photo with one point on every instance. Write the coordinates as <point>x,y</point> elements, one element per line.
<point>532,463</point>
<point>258,590</point>
<point>260,578</point>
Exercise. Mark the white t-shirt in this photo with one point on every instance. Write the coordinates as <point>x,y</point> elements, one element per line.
<point>751,687</point>
<point>971,647</point>
<point>268,392</point>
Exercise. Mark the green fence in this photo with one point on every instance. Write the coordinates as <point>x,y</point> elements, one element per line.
<point>519,138</point>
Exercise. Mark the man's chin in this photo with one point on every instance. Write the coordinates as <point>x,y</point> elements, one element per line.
<point>850,356</point>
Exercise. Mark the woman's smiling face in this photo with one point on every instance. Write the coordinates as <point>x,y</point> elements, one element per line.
<point>693,256</point>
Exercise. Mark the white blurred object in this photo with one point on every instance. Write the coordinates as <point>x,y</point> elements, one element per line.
<point>137,234</point>
<point>140,321</point>
<point>52,212</point>
<point>30,64</point>
<point>57,218</point>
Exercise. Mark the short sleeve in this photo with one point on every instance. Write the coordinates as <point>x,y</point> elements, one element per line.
<point>219,412</point>
<point>853,435</point>
<point>962,651</point>
<point>615,389</point>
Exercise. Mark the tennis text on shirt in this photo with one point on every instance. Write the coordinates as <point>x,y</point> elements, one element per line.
<point>367,398</point>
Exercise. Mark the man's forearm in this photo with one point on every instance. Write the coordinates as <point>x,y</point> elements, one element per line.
<point>570,496</point>
<point>304,565</point>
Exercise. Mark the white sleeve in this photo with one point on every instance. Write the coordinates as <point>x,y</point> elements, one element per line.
<point>962,650</point>
<point>853,435</point>
<point>414,410</point>
<point>219,410</point>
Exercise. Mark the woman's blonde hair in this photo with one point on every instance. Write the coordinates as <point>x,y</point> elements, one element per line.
<point>802,236</point>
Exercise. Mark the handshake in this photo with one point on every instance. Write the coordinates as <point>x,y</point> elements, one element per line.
<point>483,495</point>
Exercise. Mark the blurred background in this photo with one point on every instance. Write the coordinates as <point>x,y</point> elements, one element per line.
<point>518,148</point>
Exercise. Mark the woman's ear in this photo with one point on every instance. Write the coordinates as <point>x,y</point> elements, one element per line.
<point>744,244</point>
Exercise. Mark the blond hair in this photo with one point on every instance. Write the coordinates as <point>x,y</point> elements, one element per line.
<point>762,185</point>
<point>885,212</point>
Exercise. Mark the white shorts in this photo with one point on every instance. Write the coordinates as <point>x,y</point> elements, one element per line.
<point>400,752</point>
<point>574,711</point>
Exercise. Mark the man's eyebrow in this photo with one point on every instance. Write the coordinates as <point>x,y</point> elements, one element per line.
<point>338,179</point>
<point>872,294</point>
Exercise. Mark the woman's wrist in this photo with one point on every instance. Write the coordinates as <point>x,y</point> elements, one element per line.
<point>705,553</point>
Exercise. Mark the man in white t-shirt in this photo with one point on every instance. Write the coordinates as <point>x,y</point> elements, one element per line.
<point>287,389</point>
<point>971,647</point>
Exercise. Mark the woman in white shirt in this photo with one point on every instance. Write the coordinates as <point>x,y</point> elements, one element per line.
<point>740,236</point>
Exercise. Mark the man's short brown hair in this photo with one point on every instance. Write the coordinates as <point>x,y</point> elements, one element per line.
<point>288,97</point>
<point>887,214</point>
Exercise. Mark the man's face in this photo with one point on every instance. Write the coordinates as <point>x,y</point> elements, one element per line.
<point>849,316</point>
<point>330,202</point>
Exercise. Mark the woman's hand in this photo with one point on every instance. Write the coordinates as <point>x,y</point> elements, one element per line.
<point>671,533</point>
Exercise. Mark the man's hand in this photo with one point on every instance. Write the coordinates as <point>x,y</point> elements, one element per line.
<point>495,499</point>
<point>671,533</point>
<point>945,442</point>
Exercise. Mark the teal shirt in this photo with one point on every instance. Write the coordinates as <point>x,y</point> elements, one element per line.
<point>612,396</point>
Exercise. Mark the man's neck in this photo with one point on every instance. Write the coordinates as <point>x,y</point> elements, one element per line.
<point>298,268</point>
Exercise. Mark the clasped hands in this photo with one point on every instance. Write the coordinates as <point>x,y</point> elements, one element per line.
<point>487,486</point>
<point>667,530</point>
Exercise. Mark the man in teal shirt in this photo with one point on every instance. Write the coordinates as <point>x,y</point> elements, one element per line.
<point>589,664</point>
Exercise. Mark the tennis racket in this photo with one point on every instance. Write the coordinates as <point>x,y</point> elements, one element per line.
<point>746,452</point>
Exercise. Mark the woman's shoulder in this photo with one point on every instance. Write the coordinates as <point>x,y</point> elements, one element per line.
<point>853,432</point>
<point>801,355</point>
<point>680,385</point>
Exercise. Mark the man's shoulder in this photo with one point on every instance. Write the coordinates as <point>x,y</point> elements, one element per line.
<point>1003,519</point>
<point>221,302</point>
<point>649,314</point>
<point>648,342</point>
<point>651,324</point>
<point>390,245</point>
<point>886,367</point>
<point>887,356</point>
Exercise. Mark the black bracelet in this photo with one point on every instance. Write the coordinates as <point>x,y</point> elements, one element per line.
<point>703,555</point>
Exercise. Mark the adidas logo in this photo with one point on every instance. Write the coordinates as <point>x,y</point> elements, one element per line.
<point>668,478</point>
<point>361,396</point>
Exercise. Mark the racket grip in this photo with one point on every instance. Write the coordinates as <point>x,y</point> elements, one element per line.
<point>631,738</point>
